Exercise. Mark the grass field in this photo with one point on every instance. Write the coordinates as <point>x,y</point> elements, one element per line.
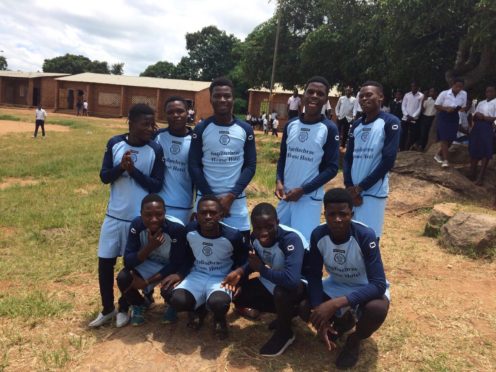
<point>52,203</point>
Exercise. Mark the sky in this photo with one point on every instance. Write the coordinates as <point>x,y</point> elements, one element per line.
<point>138,33</point>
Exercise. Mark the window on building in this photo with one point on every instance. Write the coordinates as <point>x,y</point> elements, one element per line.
<point>109,99</point>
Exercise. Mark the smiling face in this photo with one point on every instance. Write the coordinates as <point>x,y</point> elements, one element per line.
<point>371,99</point>
<point>153,215</point>
<point>265,229</point>
<point>338,218</point>
<point>222,100</point>
<point>142,128</point>
<point>177,115</point>
<point>314,98</point>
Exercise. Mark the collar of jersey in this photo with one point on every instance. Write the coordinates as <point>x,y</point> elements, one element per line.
<point>126,139</point>
<point>320,120</point>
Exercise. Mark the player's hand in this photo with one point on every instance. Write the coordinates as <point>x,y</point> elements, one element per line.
<point>232,279</point>
<point>139,282</point>
<point>322,314</point>
<point>450,109</point>
<point>325,333</point>
<point>155,240</point>
<point>279,193</point>
<point>479,116</point>
<point>126,161</point>
<point>294,194</point>
<point>254,261</point>
<point>226,201</point>
<point>170,281</point>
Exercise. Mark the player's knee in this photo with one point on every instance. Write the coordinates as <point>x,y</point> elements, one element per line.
<point>376,310</point>
<point>283,296</point>
<point>182,300</point>
<point>218,302</point>
<point>124,280</point>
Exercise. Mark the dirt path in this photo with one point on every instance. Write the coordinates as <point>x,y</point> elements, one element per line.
<point>443,315</point>
<point>9,126</point>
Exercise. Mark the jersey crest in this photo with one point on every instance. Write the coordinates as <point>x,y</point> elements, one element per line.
<point>303,134</point>
<point>224,139</point>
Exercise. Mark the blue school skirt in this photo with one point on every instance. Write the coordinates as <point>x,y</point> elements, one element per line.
<point>447,125</point>
<point>480,143</point>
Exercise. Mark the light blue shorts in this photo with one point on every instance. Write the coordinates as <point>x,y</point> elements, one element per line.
<point>302,215</point>
<point>371,213</point>
<point>180,214</point>
<point>147,269</point>
<point>202,285</point>
<point>113,237</point>
<point>238,218</point>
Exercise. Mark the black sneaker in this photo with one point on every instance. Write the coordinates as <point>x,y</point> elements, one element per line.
<point>348,357</point>
<point>220,329</point>
<point>277,344</point>
<point>343,325</point>
<point>196,318</point>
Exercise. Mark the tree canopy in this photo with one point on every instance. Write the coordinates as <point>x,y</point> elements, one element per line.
<point>75,64</point>
<point>3,63</point>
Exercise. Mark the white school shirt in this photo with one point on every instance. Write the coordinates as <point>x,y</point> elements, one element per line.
<point>448,99</point>
<point>344,108</point>
<point>40,114</point>
<point>275,123</point>
<point>294,103</point>
<point>85,105</point>
<point>412,105</point>
<point>429,109</point>
<point>487,108</point>
<point>356,106</point>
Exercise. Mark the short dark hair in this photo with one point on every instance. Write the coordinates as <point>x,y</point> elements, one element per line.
<point>220,82</point>
<point>338,195</point>
<point>150,198</point>
<point>263,209</point>
<point>458,80</point>
<point>139,109</point>
<point>318,79</point>
<point>174,99</point>
<point>374,83</point>
<point>209,197</point>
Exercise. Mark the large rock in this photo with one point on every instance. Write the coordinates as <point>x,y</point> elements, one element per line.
<point>457,153</point>
<point>440,214</point>
<point>473,234</point>
<point>423,166</point>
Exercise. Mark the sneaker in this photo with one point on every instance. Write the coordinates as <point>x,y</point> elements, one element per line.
<point>121,319</point>
<point>438,158</point>
<point>137,317</point>
<point>445,164</point>
<point>170,316</point>
<point>102,319</point>
<point>220,329</point>
<point>348,357</point>
<point>277,344</point>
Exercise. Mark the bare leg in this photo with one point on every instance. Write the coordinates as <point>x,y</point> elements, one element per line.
<point>480,179</point>
<point>473,169</point>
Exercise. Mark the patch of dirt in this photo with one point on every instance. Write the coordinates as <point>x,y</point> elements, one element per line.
<point>86,189</point>
<point>14,181</point>
<point>8,126</point>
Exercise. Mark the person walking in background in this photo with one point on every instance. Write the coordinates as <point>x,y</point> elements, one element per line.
<point>427,117</point>
<point>411,108</point>
<point>294,103</point>
<point>275,126</point>
<point>85,108</point>
<point>395,104</point>
<point>344,113</point>
<point>40,121</point>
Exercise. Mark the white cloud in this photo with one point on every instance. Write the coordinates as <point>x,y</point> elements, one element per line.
<point>136,33</point>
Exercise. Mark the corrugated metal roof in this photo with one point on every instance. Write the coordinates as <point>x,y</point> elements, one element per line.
<point>30,75</point>
<point>280,90</point>
<point>138,81</point>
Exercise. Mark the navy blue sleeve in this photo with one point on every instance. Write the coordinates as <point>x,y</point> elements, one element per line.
<point>153,182</point>
<point>389,151</point>
<point>312,270</point>
<point>281,162</point>
<point>240,250</point>
<point>109,173</point>
<point>374,267</point>
<point>133,244</point>
<point>348,157</point>
<point>195,164</point>
<point>329,165</point>
<point>250,161</point>
<point>178,259</point>
<point>290,276</point>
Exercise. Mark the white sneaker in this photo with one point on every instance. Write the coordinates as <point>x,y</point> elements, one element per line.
<point>102,319</point>
<point>121,319</point>
<point>438,159</point>
<point>445,164</point>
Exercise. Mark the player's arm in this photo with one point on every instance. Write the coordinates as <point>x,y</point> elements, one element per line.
<point>110,173</point>
<point>404,105</point>
<point>195,164</point>
<point>389,151</point>
<point>281,164</point>
<point>133,244</point>
<point>249,164</point>
<point>348,157</point>
<point>153,182</point>
<point>312,270</point>
<point>239,257</point>
<point>178,266</point>
<point>329,165</point>
<point>375,272</point>
<point>290,276</point>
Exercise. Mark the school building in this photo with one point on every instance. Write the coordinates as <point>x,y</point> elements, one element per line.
<point>113,95</point>
<point>258,101</point>
<point>28,89</point>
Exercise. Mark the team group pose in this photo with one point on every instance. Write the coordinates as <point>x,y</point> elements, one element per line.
<point>178,215</point>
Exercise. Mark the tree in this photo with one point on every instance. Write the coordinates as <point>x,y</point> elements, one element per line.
<point>74,64</point>
<point>117,68</point>
<point>161,69</point>
<point>3,63</point>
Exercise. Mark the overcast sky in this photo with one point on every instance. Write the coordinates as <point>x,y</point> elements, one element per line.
<point>138,33</point>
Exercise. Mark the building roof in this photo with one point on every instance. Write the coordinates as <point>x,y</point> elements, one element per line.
<point>29,75</point>
<point>138,81</point>
<point>280,90</point>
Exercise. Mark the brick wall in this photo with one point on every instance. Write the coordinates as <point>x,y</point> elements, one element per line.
<point>47,92</point>
<point>203,109</point>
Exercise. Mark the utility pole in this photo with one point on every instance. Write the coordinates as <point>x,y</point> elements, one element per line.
<point>274,59</point>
